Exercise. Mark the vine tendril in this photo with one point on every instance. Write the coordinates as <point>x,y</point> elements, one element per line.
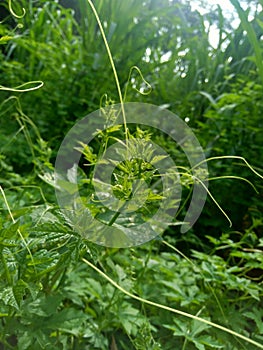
<point>12,11</point>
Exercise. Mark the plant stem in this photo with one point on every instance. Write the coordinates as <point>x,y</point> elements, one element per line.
<point>112,65</point>
<point>114,218</point>
<point>167,308</point>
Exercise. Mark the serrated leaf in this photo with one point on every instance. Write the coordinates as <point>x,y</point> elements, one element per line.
<point>157,159</point>
<point>34,289</point>
<point>44,306</point>
<point>114,128</point>
<point>10,231</point>
<point>128,316</point>
<point>257,316</point>
<point>6,244</point>
<point>19,291</point>
<point>67,319</point>
<point>198,327</point>
<point>7,296</point>
<point>199,346</point>
<point>39,261</point>
<point>25,340</point>
<point>209,341</point>
<point>94,288</point>
<point>42,339</point>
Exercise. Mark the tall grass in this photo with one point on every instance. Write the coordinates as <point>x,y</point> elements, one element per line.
<point>252,36</point>
<point>69,56</point>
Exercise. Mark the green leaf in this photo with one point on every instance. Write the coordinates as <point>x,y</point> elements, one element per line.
<point>25,340</point>
<point>4,39</point>
<point>10,231</point>
<point>67,186</point>
<point>129,318</point>
<point>44,306</point>
<point>157,159</point>
<point>19,291</point>
<point>251,35</point>
<point>8,297</point>
<point>69,320</point>
<point>257,316</point>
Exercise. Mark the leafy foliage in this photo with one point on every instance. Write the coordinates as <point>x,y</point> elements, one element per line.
<point>49,297</point>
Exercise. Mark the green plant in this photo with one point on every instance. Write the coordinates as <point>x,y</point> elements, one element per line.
<point>59,291</point>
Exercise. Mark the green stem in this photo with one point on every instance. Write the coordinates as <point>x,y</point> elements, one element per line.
<point>112,65</point>
<point>12,11</point>
<point>167,308</point>
<point>114,218</point>
<point>13,220</point>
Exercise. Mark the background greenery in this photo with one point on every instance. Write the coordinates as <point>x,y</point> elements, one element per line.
<point>49,297</point>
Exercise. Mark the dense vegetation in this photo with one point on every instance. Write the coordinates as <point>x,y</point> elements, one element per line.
<point>61,291</point>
